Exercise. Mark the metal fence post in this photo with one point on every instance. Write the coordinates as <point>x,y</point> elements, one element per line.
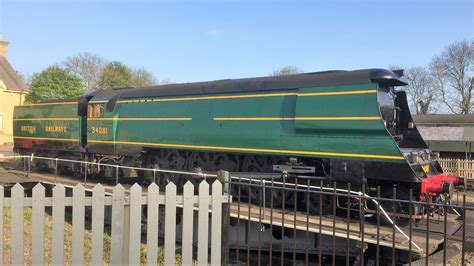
<point>85,173</point>
<point>224,178</point>
<point>29,166</point>
<point>24,166</point>
<point>56,171</point>
<point>116,174</point>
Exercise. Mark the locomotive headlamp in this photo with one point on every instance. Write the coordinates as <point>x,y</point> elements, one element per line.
<point>414,157</point>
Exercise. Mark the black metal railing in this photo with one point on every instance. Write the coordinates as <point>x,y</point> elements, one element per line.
<point>281,221</point>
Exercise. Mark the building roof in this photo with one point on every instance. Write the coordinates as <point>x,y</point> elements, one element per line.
<point>10,78</point>
<point>446,132</point>
<point>439,120</point>
<point>463,134</point>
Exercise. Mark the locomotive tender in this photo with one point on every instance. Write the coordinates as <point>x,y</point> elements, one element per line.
<point>343,126</point>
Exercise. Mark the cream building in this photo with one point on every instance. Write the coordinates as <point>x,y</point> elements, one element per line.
<point>12,92</point>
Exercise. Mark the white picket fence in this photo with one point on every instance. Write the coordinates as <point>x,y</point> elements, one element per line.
<point>126,223</point>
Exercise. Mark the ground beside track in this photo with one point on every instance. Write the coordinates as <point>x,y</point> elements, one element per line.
<point>454,247</point>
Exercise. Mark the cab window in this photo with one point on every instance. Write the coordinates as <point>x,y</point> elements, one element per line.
<point>96,110</point>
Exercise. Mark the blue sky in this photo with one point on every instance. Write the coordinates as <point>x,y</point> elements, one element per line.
<point>205,40</point>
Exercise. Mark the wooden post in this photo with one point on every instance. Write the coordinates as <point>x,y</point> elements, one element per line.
<point>37,225</point>
<point>78,214</point>
<point>118,218</point>
<point>152,223</point>
<point>188,216</point>
<point>458,171</point>
<point>17,230</point>
<point>126,234</point>
<point>97,224</point>
<point>57,238</point>
<point>216,223</point>
<point>135,225</point>
<point>170,224</point>
<point>203,224</point>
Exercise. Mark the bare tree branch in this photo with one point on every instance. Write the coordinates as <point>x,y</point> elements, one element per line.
<point>88,67</point>
<point>454,70</point>
<point>422,91</point>
<point>287,70</point>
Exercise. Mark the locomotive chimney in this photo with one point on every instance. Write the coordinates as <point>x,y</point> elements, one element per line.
<point>3,46</point>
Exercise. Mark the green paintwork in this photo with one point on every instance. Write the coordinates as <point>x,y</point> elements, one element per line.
<point>342,137</point>
<point>47,111</point>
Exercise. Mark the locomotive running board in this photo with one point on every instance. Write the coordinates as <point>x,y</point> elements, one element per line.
<point>256,176</point>
<point>277,176</point>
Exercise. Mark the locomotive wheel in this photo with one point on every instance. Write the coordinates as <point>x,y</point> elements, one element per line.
<point>169,160</point>
<point>200,161</point>
<point>213,161</point>
<point>315,206</point>
<point>153,161</point>
<point>397,207</point>
<point>227,162</point>
<point>261,164</point>
<point>176,160</point>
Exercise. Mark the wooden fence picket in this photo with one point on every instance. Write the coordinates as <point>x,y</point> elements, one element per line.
<point>57,239</point>
<point>216,231</point>
<point>152,224</point>
<point>78,219</point>
<point>118,201</point>
<point>97,224</point>
<point>457,167</point>
<point>126,223</point>
<point>188,213</point>
<point>170,224</point>
<point>203,223</point>
<point>37,223</point>
<point>17,209</point>
<point>135,224</point>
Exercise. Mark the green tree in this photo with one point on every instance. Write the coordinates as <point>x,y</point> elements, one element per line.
<point>54,82</point>
<point>115,76</point>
